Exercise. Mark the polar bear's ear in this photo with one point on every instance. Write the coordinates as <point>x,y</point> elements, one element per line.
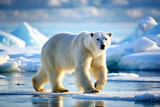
<point>110,34</point>
<point>91,34</point>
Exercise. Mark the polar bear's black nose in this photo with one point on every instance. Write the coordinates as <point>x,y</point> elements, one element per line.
<point>102,47</point>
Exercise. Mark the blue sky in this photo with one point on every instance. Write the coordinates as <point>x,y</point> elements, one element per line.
<point>77,11</point>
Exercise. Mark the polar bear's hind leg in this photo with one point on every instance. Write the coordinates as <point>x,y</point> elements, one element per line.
<point>39,80</point>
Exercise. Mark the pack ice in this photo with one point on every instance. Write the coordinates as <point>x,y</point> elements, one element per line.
<point>142,53</point>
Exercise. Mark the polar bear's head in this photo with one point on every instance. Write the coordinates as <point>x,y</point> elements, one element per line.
<point>101,40</point>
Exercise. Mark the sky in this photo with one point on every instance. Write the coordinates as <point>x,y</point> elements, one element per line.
<point>78,11</point>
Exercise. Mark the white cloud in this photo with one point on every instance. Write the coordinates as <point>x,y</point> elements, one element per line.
<point>155,12</point>
<point>135,13</point>
<point>5,2</point>
<point>2,15</point>
<point>54,3</point>
<point>120,2</point>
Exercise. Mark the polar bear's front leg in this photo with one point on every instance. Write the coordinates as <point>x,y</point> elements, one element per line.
<point>100,74</point>
<point>83,78</point>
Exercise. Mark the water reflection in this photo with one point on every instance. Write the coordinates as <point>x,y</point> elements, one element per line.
<point>90,103</point>
<point>62,101</point>
<point>58,102</point>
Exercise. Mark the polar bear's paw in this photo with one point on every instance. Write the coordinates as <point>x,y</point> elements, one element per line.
<point>60,90</point>
<point>99,84</point>
<point>42,90</point>
<point>92,91</point>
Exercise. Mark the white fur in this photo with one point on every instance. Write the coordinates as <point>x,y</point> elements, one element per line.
<point>67,52</point>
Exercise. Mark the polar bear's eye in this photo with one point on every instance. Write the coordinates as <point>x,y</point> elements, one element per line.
<point>105,39</point>
<point>98,39</point>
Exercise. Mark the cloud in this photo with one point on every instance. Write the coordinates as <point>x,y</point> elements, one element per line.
<point>120,2</point>
<point>54,3</point>
<point>155,12</point>
<point>5,2</point>
<point>134,13</point>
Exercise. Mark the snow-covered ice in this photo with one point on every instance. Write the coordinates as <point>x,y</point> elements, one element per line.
<point>113,54</point>
<point>144,44</point>
<point>130,77</point>
<point>19,59</point>
<point>150,96</point>
<point>127,96</point>
<point>143,60</point>
<point>10,40</point>
<point>147,23</point>
<point>140,54</point>
<point>155,38</point>
<point>30,35</point>
<point>155,30</point>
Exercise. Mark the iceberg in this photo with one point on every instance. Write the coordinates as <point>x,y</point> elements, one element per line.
<point>144,25</point>
<point>155,38</point>
<point>3,59</point>
<point>19,59</point>
<point>6,66</point>
<point>144,44</point>
<point>113,55</point>
<point>11,40</point>
<point>154,30</point>
<point>30,35</point>
<point>140,54</point>
<point>147,23</point>
<point>143,60</point>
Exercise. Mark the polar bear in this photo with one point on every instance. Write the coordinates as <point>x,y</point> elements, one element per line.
<point>84,53</point>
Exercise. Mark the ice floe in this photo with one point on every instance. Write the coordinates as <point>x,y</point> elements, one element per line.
<point>19,59</point>
<point>130,77</point>
<point>149,96</point>
<point>126,96</point>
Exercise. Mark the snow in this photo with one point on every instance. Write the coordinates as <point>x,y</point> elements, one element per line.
<point>122,75</point>
<point>2,77</point>
<point>19,59</point>
<point>142,53</point>
<point>10,40</point>
<point>144,60</point>
<point>155,38</point>
<point>130,77</point>
<point>147,23</point>
<point>155,30</point>
<point>3,59</point>
<point>30,35</point>
<point>144,44</point>
<point>127,96</point>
